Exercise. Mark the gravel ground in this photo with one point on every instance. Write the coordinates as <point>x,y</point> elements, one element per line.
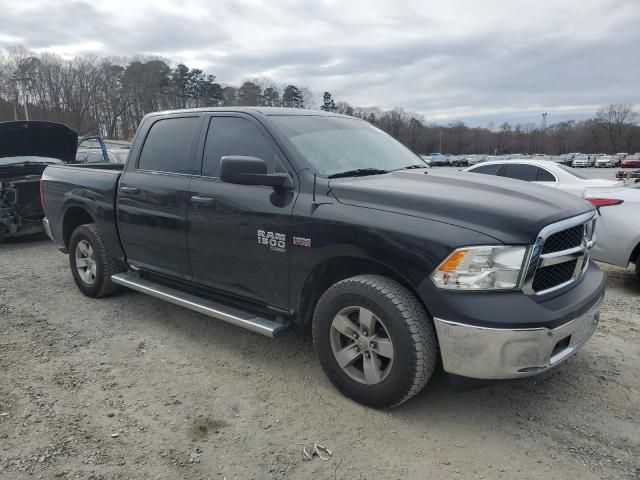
<point>132,387</point>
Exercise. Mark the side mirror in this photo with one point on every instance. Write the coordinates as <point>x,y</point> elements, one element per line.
<point>251,171</point>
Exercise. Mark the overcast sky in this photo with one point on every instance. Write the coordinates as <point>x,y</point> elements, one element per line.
<point>476,61</point>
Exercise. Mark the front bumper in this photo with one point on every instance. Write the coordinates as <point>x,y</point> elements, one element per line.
<point>502,353</point>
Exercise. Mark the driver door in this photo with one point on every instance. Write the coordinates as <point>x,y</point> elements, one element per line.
<point>239,235</point>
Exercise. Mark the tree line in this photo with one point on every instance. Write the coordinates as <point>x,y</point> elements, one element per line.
<point>109,96</point>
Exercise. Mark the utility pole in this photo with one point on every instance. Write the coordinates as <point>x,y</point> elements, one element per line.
<point>544,121</point>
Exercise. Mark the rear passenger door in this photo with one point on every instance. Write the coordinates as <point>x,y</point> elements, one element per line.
<point>153,196</point>
<point>239,234</point>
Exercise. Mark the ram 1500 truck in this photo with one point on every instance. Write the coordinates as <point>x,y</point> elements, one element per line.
<point>270,218</point>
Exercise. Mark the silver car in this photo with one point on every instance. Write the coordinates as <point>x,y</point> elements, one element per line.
<point>618,227</point>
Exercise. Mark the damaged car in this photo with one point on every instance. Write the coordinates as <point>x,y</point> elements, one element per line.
<point>26,149</point>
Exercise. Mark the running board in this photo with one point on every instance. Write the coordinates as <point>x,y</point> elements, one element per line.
<point>231,315</point>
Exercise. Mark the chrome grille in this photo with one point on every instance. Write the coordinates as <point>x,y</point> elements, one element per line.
<point>560,255</point>
<point>553,275</point>
<point>569,238</point>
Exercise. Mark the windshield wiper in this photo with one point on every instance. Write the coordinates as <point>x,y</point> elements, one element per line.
<point>412,167</point>
<point>359,172</point>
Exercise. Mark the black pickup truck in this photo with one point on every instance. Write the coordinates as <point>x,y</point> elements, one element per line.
<point>272,218</point>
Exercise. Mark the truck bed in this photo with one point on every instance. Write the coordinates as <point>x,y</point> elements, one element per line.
<point>93,188</point>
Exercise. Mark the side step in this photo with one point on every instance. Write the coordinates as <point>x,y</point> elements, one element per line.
<point>231,315</point>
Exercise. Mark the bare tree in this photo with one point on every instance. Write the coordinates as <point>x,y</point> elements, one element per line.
<point>617,121</point>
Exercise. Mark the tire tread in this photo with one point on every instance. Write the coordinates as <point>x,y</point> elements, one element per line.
<point>413,314</point>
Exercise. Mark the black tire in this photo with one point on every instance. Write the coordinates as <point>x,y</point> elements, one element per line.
<point>104,265</point>
<point>409,328</point>
<point>638,268</point>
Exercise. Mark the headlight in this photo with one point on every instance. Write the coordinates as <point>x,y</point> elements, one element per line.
<point>480,268</point>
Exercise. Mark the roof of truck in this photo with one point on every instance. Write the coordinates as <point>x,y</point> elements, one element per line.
<point>268,111</point>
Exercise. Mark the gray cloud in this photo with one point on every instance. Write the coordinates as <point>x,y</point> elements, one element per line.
<point>478,62</point>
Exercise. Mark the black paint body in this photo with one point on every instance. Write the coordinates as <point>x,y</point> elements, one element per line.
<point>401,224</point>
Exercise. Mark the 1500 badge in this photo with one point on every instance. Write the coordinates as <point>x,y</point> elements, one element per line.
<point>276,241</point>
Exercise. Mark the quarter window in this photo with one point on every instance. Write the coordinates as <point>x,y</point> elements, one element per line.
<point>544,176</point>
<point>236,136</point>
<point>168,145</point>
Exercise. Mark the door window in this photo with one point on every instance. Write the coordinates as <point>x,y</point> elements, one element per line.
<point>236,136</point>
<point>168,145</point>
<point>487,169</point>
<point>520,171</point>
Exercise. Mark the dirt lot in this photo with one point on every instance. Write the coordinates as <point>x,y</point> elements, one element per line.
<point>131,387</point>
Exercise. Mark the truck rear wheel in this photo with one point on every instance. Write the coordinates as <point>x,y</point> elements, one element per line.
<point>374,340</point>
<point>90,262</point>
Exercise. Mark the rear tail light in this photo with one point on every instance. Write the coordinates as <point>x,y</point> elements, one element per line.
<point>603,202</point>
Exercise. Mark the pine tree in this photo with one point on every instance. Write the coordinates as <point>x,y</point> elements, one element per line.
<point>328,105</point>
<point>291,97</point>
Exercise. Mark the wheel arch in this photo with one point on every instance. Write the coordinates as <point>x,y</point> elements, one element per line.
<point>635,253</point>
<point>74,216</point>
<point>333,270</point>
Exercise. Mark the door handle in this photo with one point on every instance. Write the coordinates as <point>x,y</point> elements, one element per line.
<point>203,200</point>
<point>131,190</point>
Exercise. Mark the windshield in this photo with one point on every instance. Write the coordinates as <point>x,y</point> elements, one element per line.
<point>28,159</point>
<point>574,172</point>
<point>334,144</point>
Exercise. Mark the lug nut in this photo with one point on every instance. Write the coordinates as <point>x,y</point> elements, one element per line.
<point>367,354</point>
<point>372,344</point>
<point>355,335</point>
<point>364,332</point>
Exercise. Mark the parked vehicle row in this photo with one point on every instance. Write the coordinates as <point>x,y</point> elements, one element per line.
<point>575,160</point>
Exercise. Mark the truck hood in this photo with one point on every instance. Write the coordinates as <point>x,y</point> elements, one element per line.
<point>511,211</point>
<point>38,139</point>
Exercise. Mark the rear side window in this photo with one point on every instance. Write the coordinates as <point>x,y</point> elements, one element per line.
<point>488,169</point>
<point>544,176</point>
<point>520,171</point>
<point>235,136</point>
<point>168,145</point>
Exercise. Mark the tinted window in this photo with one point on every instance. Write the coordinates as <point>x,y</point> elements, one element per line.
<point>488,169</point>
<point>544,176</point>
<point>168,145</point>
<point>235,136</point>
<point>520,171</point>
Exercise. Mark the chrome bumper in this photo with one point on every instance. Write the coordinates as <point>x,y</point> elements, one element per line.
<point>495,353</point>
<point>47,228</point>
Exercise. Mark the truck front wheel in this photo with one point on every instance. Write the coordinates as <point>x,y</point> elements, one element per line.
<point>90,262</point>
<point>374,340</point>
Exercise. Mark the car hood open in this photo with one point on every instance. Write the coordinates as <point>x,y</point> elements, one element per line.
<point>511,211</point>
<point>38,139</point>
